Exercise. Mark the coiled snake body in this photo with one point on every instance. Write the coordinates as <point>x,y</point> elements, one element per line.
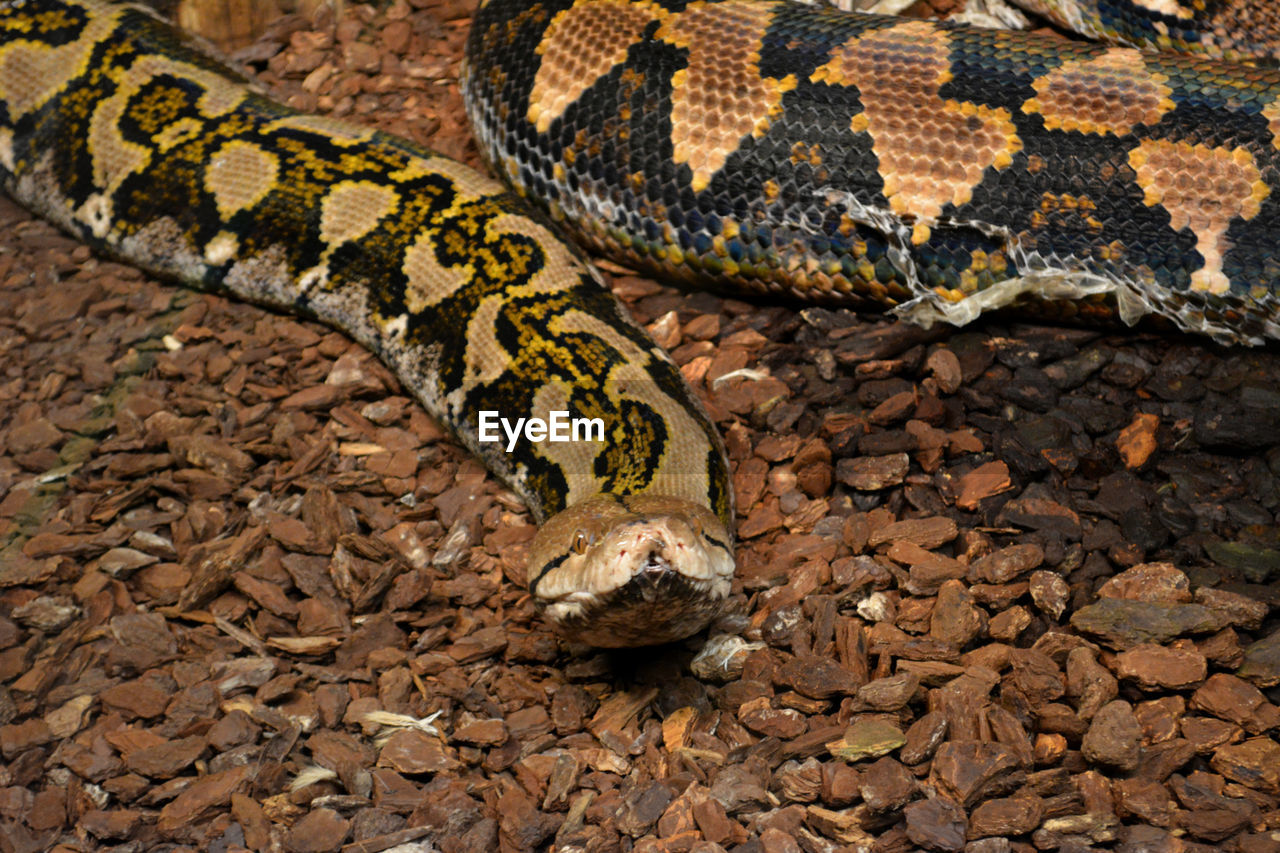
<point>869,159</point>
<point>771,147</point>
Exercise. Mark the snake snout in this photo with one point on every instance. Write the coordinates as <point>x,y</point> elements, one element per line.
<point>656,569</point>
<point>655,564</point>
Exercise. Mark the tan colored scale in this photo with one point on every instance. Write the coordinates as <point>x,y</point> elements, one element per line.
<point>351,209</point>
<point>932,150</point>
<point>336,130</point>
<point>427,281</point>
<point>1172,8</point>
<point>720,97</point>
<point>32,73</point>
<point>717,100</point>
<point>575,52</point>
<point>1203,189</point>
<point>1110,93</point>
<point>486,358</point>
<point>239,175</point>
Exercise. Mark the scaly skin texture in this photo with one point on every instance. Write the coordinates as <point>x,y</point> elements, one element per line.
<point>771,147</point>
<point>113,128</point>
<point>1238,30</point>
<point>613,585</point>
<point>936,170</point>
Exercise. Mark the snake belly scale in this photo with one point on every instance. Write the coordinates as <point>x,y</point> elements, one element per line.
<point>769,147</point>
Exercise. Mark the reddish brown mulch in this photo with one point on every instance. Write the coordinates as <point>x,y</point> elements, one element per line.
<point>1007,588</point>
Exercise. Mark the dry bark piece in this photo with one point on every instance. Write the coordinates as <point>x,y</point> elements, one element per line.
<point>1160,582</point>
<point>955,619</point>
<point>818,678</point>
<point>1009,624</point>
<point>412,751</point>
<point>1006,564</point>
<point>47,614</point>
<point>867,737</point>
<point>1230,698</point>
<point>1124,623</point>
<point>1137,441</point>
<point>492,732</point>
<point>167,758</point>
<point>925,533</point>
<point>1114,738</point>
<point>923,738</point>
<point>1261,663</point>
<point>1050,593</point>
<point>981,483</point>
<point>928,569</point>
<point>890,693</point>
<point>1036,676</point>
<point>760,716</point>
<point>1235,609</point>
<point>944,366</point>
<point>722,658</point>
<point>886,785</point>
<point>1205,734</point>
<point>1090,683</point>
<point>961,700</point>
<point>1145,799</point>
<point>181,817</point>
<point>973,770</point>
<point>936,824</point>
<point>1159,718</point>
<point>1041,513</point>
<point>871,473</point>
<point>1006,816</point>
<point>213,566</point>
<point>1160,667</point>
<point>320,830</point>
<point>844,827</point>
<point>113,825</point>
<point>1255,763</point>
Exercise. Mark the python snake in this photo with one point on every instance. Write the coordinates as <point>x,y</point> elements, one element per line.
<point>768,146</point>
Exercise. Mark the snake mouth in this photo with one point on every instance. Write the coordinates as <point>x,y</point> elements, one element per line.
<point>631,572</point>
<point>654,572</point>
<point>657,605</point>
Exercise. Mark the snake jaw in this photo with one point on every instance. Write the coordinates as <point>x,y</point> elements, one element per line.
<point>657,569</point>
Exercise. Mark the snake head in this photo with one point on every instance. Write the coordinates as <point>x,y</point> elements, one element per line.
<point>637,570</point>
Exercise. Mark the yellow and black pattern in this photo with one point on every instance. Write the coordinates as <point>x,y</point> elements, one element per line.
<point>115,129</point>
<point>940,170</point>
<point>750,142</point>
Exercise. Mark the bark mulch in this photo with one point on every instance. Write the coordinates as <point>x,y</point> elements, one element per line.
<point>1006,588</point>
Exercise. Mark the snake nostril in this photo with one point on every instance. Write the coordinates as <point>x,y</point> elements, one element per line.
<point>654,558</point>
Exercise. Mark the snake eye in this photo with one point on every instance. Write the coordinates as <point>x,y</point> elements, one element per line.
<point>582,541</point>
<point>695,527</point>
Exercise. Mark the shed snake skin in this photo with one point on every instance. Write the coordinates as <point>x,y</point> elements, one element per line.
<point>858,159</point>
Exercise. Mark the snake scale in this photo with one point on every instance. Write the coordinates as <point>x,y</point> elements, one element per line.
<point>765,146</point>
